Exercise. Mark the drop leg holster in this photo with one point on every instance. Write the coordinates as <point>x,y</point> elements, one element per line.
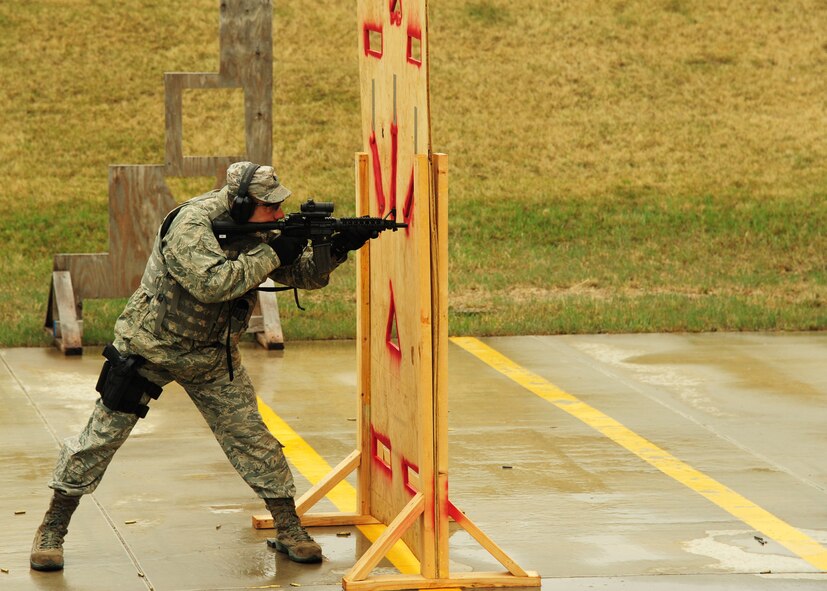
<point>120,386</point>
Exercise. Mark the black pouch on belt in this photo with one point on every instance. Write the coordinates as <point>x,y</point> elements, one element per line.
<point>121,387</point>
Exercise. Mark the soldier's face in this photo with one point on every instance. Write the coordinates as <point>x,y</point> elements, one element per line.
<point>266,212</point>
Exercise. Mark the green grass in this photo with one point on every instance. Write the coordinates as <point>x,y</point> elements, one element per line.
<point>615,166</point>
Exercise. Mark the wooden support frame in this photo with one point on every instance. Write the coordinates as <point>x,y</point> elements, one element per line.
<point>63,314</point>
<point>401,455</point>
<point>429,508</point>
<point>139,197</point>
<point>401,523</point>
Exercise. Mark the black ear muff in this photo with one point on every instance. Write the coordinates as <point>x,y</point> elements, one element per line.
<point>243,205</point>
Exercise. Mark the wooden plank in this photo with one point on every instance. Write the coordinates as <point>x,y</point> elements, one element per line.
<point>176,164</point>
<point>245,61</point>
<point>208,165</point>
<point>173,123</point>
<point>368,561</point>
<point>486,542</point>
<point>199,80</point>
<point>256,323</point>
<point>321,519</point>
<point>245,32</point>
<point>326,484</point>
<point>245,39</point>
<point>334,519</point>
<point>394,88</point>
<point>263,521</point>
<point>64,301</point>
<point>138,201</point>
<point>90,273</point>
<point>472,580</point>
<point>363,339</point>
<point>395,113</point>
<point>439,294</point>
<point>426,411</point>
<point>271,335</point>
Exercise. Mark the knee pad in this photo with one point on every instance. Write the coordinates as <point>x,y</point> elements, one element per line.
<point>121,387</point>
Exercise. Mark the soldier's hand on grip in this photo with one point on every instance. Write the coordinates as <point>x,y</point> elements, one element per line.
<point>288,248</point>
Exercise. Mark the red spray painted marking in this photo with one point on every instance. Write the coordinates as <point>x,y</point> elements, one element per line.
<point>447,508</point>
<point>395,7</point>
<point>414,32</point>
<point>430,500</point>
<point>378,183</point>
<point>377,174</point>
<point>380,463</point>
<point>407,467</point>
<point>455,513</point>
<point>395,348</point>
<point>394,162</point>
<point>367,28</point>
<point>407,208</point>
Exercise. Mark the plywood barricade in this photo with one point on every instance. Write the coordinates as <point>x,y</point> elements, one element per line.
<point>402,456</point>
<point>138,194</point>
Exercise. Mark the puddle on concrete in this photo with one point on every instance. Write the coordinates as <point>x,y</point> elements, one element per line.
<point>689,388</point>
<point>740,551</point>
<point>749,372</point>
<point>618,549</point>
<point>33,467</point>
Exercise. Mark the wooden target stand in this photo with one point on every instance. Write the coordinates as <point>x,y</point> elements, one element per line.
<point>139,197</point>
<point>401,455</point>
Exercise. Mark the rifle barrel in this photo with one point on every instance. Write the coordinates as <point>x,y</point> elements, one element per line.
<point>223,228</point>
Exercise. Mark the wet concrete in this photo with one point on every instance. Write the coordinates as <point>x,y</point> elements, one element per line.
<point>747,410</point>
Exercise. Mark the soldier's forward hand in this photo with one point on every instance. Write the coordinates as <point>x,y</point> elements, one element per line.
<point>351,239</point>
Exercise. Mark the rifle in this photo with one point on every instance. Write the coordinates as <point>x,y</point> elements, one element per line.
<point>314,222</point>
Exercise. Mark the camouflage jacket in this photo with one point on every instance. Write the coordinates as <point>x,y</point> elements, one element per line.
<point>197,289</point>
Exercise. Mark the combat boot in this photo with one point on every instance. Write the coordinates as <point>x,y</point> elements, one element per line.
<point>291,537</point>
<point>47,548</point>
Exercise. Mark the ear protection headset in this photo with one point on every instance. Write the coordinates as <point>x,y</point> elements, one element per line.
<point>243,205</point>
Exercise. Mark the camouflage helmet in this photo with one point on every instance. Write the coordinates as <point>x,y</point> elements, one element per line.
<point>265,185</point>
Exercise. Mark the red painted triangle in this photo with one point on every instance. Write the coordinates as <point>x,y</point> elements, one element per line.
<point>392,330</point>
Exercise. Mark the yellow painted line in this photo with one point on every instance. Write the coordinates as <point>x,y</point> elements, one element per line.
<point>727,499</point>
<point>313,467</point>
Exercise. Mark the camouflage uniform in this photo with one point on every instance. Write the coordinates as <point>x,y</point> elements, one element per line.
<point>181,319</point>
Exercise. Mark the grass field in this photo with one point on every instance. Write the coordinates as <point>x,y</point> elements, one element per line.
<point>614,166</point>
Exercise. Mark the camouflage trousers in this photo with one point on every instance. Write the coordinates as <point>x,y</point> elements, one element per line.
<point>229,407</point>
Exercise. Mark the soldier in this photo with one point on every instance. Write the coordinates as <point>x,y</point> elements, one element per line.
<point>183,324</point>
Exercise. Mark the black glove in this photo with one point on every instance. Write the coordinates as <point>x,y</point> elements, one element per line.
<point>288,248</point>
<point>350,239</point>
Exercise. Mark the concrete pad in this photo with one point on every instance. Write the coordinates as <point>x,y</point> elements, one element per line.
<point>747,410</point>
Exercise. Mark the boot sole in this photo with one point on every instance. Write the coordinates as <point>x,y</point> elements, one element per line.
<point>285,550</point>
<point>45,567</point>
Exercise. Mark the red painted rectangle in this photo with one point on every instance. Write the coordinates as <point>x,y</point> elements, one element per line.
<point>369,41</point>
<point>414,52</point>
<point>407,468</point>
<point>380,449</point>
